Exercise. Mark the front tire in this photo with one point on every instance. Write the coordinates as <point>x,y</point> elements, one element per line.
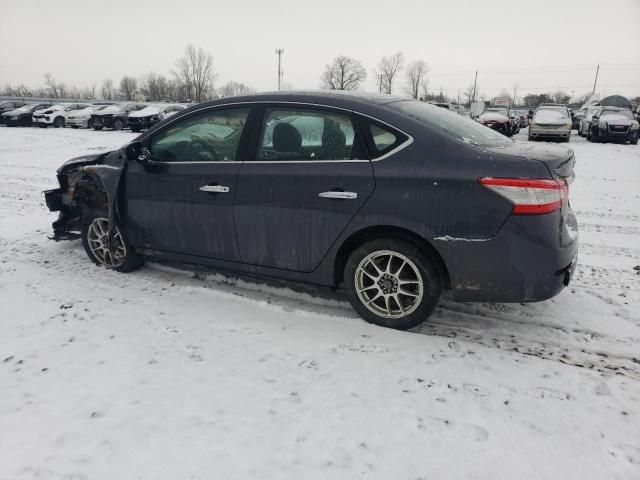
<point>121,258</point>
<point>58,122</point>
<point>392,283</point>
<point>118,124</point>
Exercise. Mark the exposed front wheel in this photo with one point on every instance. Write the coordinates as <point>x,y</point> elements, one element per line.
<point>391,283</point>
<point>116,254</point>
<point>117,124</point>
<point>58,122</point>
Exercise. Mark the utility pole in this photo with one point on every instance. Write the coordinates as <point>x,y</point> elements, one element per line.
<point>279,52</point>
<point>596,80</point>
<point>475,82</point>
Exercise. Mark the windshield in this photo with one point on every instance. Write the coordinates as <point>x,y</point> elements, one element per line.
<point>114,108</point>
<point>617,114</point>
<point>456,125</point>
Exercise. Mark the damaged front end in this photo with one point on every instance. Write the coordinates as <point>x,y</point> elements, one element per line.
<point>87,182</point>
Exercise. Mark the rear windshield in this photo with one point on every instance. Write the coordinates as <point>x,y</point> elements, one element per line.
<point>455,125</point>
<point>561,110</point>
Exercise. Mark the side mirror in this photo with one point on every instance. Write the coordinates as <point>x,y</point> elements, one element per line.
<point>136,151</point>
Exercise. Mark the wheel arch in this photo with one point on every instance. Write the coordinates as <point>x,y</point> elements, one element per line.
<point>360,237</point>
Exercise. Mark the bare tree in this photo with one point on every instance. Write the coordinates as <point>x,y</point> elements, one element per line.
<point>232,89</point>
<point>424,88</point>
<point>560,97</point>
<point>56,89</point>
<point>343,73</point>
<point>107,89</point>
<point>155,88</point>
<point>128,87</point>
<point>387,69</point>
<point>468,94</point>
<point>195,71</point>
<point>416,73</point>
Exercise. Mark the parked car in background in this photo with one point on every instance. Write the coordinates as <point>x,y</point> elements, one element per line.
<point>551,122</point>
<point>56,115</point>
<point>114,116</point>
<point>22,117</point>
<point>152,114</point>
<point>8,106</point>
<point>348,201</point>
<point>499,119</point>
<point>613,124</point>
<point>82,118</point>
<point>577,117</point>
<point>585,121</point>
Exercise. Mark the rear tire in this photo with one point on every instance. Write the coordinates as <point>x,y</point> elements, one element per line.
<point>392,283</point>
<point>94,232</point>
<point>118,124</point>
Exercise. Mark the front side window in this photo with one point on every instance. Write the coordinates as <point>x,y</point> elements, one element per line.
<point>306,134</point>
<point>209,137</point>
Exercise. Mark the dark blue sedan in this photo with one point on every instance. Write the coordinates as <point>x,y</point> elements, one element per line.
<point>393,199</point>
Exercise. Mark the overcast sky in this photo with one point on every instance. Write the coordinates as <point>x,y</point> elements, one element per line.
<point>541,44</point>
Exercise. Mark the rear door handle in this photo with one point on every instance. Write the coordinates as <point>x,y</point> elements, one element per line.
<point>214,189</point>
<point>339,195</point>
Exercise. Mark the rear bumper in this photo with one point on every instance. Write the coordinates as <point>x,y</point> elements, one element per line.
<point>532,258</point>
<point>549,132</point>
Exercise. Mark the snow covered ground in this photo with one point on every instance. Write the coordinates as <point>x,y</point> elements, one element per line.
<point>173,373</point>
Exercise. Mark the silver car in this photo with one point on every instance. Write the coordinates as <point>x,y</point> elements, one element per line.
<point>585,121</point>
<point>551,122</point>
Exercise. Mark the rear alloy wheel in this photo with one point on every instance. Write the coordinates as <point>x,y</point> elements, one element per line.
<point>391,283</point>
<point>120,257</point>
<point>117,124</point>
<point>58,122</point>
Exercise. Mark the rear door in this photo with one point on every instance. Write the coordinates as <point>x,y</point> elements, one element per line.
<point>181,201</point>
<point>307,179</point>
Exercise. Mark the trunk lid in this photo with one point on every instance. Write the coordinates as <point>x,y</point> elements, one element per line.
<point>560,161</point>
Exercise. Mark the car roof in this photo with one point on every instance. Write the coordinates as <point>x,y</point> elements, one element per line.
<point>332,97</point>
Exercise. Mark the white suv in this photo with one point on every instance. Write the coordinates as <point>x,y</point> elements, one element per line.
<point>57,114</point>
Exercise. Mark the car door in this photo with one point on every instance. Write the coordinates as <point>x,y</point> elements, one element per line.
<point>180,200</point>
<point>307,179</point>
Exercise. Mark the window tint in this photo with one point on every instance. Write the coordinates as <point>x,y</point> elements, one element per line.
<point>383,139</point>
<point>209,137</point>
<point>306,134</point>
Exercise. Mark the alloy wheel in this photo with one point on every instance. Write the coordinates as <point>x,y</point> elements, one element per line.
<point>97,240</point>
<point>389,284</point>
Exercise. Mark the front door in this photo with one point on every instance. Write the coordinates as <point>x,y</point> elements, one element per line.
<point>181,201</point>
<point>306,181</point>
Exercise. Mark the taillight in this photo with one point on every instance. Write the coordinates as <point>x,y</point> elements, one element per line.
<point>529,196</point>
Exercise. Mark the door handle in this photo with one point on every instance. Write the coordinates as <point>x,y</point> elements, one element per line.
<point>339,195</point>
<point>214,189</point>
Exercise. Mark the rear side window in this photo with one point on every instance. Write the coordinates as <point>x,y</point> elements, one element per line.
<point>306,134</point>
<point>383,139</point>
